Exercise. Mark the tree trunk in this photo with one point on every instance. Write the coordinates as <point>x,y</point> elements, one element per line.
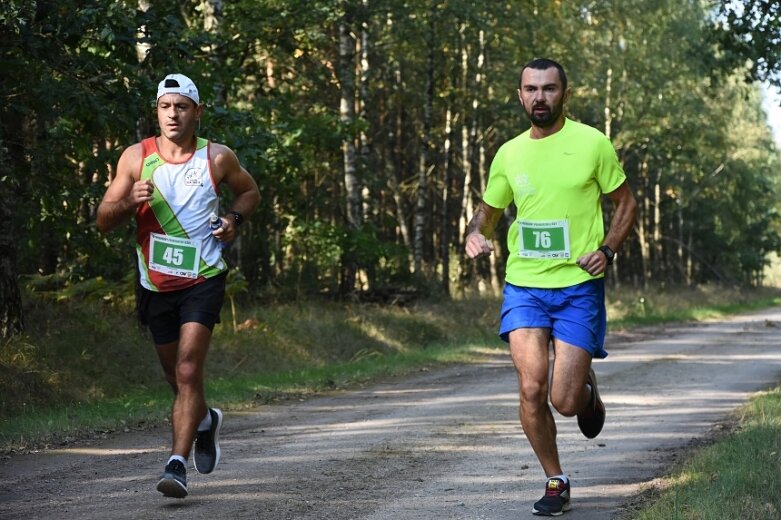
<point>397,146</point>
<point>476,155</point>
<point>364,142</point>
<point>212,11</point>
<point>444,218</point>
<point>352,182</point>
<point>11,319</point>
<point>645,273</point>
<point>142,47</point>
<point>347,117</point>
<point>363,95</point>
<point>425,145</point>
<point>467,195</point>
<point>658,256</point>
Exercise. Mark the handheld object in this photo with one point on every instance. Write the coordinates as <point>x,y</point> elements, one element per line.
<point>215,222</point>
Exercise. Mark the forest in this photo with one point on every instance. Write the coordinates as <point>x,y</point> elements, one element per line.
<point>370,125</point>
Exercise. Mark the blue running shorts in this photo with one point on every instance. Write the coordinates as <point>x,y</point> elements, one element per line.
<point>575,315</point>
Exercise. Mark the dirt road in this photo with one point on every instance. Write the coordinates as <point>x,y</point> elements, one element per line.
<point>444,444</point>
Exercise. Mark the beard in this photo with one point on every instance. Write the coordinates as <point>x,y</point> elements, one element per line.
<point>546,118</point>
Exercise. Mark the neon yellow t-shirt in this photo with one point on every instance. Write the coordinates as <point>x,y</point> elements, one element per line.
<point>556,184</point>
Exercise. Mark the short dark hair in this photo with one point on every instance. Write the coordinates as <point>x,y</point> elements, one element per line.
<point>543,64</point>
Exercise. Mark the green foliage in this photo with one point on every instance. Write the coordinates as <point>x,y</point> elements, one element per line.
<point>79,79</point>
<point>316,252</point>
<point>748,32</point>
<point>60,288</point>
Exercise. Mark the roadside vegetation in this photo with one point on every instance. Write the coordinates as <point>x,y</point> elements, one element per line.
<point>732,478</point>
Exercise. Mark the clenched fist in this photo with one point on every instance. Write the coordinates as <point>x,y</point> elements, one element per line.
<point>477,245</point>
<point>142,191</point>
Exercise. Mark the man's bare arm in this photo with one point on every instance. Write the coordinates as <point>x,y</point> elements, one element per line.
<point>623,218</point>
<point>125,192</point>
<point>620,225</point>
<point>481,229</point>
<point>241,183</point>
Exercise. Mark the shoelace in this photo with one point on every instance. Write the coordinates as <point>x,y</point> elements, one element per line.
<point>554,492</point>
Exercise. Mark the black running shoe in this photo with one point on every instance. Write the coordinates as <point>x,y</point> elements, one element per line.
<point>556,499</point>
<point>592,419</point>
<point>173,483</point>
<point>207,444</point>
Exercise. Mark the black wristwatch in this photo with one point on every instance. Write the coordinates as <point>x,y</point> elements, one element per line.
<point>238,218</point>
<point>609,254</point>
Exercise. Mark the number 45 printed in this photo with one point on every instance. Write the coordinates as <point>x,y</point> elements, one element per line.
<point>173,256</point>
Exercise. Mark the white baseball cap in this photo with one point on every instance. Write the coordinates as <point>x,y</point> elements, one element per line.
<point>178,84</point>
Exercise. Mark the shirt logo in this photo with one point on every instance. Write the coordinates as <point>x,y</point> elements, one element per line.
<point>192,177</point>
<point>524,186</point>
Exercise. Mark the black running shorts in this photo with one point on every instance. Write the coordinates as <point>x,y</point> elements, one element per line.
<point>165,312</point>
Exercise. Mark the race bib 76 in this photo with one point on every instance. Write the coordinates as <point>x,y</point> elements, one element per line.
<point>544,239</point>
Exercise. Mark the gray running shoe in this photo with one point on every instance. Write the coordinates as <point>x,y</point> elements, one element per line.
<point>207,444</point>
<point>173,483</point>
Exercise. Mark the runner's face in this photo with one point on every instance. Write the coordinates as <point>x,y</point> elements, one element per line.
<point>178,116</point>
<point>542,96</point>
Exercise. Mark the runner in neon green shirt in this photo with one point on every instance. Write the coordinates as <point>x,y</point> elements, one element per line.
<point>556,174</point>
<point>556,183</point>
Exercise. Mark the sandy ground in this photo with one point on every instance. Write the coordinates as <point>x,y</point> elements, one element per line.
<point>441,444</point>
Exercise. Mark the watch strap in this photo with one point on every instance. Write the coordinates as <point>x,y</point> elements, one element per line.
<point>609,253</point>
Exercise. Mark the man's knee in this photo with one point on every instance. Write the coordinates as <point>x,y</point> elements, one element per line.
<point>534,394</point>
<point>188,373</point>
<point>567,404</point>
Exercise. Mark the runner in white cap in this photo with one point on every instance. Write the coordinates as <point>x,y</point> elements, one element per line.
<point>171,184</point>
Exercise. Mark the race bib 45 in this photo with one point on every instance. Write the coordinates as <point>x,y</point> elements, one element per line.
<point>174,256</point>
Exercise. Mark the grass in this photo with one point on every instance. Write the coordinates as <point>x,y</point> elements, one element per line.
<point>633,308</point>
<point>737,477</point>
<point>84,368</point>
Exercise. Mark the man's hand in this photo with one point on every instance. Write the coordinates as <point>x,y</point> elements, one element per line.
<point>125,193</point>
<point>141,192</point>
<point>477,245</point>
<point>594,263</point>
<point>226,233</point>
